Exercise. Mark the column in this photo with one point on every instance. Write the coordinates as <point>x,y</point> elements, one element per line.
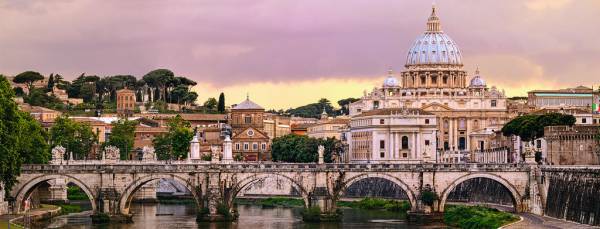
<point>419,153</point>
<point>450,134</point>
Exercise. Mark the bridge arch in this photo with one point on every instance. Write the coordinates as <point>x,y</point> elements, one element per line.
<point>350,181</point>
<point>128,193</point>
<point>516,197</point>
<point>23,193</point>
<point>239,186</point>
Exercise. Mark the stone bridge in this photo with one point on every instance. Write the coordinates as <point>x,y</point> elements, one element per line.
<point>111,186</point>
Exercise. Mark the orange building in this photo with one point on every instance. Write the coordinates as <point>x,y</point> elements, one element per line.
<point>249,139</point>
<point>125,101</point>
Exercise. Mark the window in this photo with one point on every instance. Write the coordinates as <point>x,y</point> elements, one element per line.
<point>264,146</point>
<point>254,146</point>
<point>445,78</point>
<point>426,121</point>
<point>422,79</point>
<point>250,133</point>
<point>404,142</point>
<point>237,146</point>
<point>382,154</point>
<point>382,144</point>
<point>434,79</point>
<point>381,121</point>
<point>248,119</point>
<point>375,104</point>
<point>538,144</point>
<point>493,103</point>
<point>426,142</point>
<point>583,120</point>
<point>246,146</point>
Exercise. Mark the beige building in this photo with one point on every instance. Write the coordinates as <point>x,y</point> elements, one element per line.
<point>276,125</point>
<point>330,128</point>
<point>433,79</point>
<point>41,114</point>
<point>579,97</point>
<point>393,135</point>
<point>576,145</point>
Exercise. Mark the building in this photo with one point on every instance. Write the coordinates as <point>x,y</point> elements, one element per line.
<point>248,138</point>
<point>434,81</point>
<point>572,145</point>
<point>43,115</point>
<point>579,97</point>
<point>393,135</point>
<point>328,128</point>
<point>276,125</point>
<point>125,102</point>
<point>301,129</point>
<point>194,119</point>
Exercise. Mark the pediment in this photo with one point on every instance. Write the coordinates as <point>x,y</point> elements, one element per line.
<point>436,107</point>
<point>250,133</point>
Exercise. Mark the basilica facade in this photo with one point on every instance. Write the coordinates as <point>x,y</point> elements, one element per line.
<point>468,113</point>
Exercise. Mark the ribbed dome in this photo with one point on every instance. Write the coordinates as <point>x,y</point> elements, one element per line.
<point>477,81</point>
<point>434,47</point>
<point>391,81</point>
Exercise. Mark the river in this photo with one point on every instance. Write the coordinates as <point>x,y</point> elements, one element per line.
<point>251,216</point>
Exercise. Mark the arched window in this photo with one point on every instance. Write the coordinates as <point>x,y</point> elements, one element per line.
<point>404,142</point>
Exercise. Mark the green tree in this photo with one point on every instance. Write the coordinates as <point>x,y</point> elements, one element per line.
<point>175,144</point>
<point>160,80</point>
<point>302,149</point>
<point>75,136</point>
<point>122,136</point>
<point>50,82</point>
<point>530,127</point>
<point>345,105</point>
<point>28,78</point>
<point>38,97</point>
<point>313,110</point>
<point>221,103</point>
<point>211,103</point>
<point>22,139</point>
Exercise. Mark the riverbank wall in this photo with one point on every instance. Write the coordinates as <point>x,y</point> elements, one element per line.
<point>573,194</point>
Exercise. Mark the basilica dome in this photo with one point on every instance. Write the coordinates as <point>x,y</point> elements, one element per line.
<point>434,47</point>
<point>477,81</point>
<point>390,81</point>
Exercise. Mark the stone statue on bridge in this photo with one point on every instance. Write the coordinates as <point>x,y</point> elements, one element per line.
<point>148,153</point>
<point>111,154</point>
<point>58,155</point>
<point>321,154</point>
<point>214,154</point>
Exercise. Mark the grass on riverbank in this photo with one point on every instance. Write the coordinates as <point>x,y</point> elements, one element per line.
<point>476,217</point>
<point>377,204</point>
<point>273,202</point>
<point>69,208</point>
<point>4,225</point>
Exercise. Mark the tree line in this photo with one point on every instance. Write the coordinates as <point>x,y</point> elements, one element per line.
<point>158,86</point>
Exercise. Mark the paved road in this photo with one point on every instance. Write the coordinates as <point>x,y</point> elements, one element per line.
<point>536,221</point>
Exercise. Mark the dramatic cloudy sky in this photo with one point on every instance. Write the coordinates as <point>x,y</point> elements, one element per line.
<point>286,53</point>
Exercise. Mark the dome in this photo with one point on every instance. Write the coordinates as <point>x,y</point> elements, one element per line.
<point>390,81</point>
<point>434,47</point>
<point>477,81</point>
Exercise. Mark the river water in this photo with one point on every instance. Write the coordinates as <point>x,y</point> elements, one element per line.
<point>251,216</point>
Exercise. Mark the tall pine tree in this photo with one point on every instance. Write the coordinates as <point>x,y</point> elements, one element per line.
<point>221,104</point>
<point>51,82</point>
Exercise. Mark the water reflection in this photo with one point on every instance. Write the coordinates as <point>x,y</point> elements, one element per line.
<point>163,216</point>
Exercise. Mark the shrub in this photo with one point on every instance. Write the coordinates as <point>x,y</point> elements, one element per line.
<point>312,214</point>
<point>67,208</point>
<point>428,197</point>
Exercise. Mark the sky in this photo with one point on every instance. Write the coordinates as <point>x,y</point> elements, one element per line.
<point>285,53</point>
